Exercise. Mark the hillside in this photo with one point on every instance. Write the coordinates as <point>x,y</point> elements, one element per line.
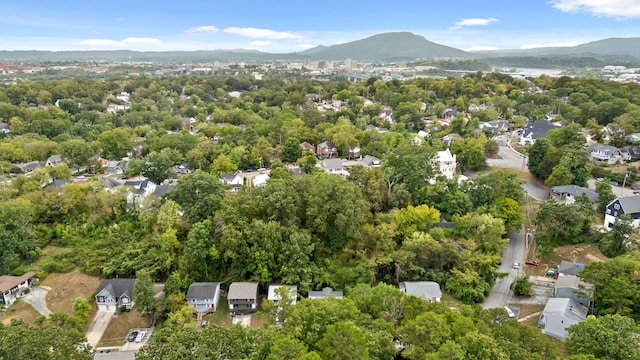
<point>388,46</point>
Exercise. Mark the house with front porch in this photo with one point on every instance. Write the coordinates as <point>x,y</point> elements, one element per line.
<point>12,287</point>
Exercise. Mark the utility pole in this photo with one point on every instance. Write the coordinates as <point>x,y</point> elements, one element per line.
<point>624,182</point>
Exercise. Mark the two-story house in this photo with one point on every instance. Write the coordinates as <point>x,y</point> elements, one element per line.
<point>242,297</point>
<point>113,294</point>
<point>327,149</point>
<point>446,162</point>
<point>625,205</point>
<point>204,296</point>
<point>606,154</point>
<point>235,180</point>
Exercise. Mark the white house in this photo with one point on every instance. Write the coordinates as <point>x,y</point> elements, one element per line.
<point>333,166</point>
<point>236,180</point>
<point>446,163</point>
<point>425,290</point>
<point>11,287</point>
<point>260,180</point>
<point>204,296</point>
<point>273,296</point>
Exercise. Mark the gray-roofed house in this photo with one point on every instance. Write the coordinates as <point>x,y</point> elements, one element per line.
<point>31,166</point>
<point>53,160</point>
<point>325,293</point>
<point>242,297</point>
<point>273,296</point>
<point>204,296</point>
<point>332,166</point>
<point>115,293</point>
<point>569,268</point>
<point>537,130</point>
<point>570,286</point>
<point>567,194</point>
<point>559,314</point>
<point>606,154</point>
<point>11,287</point>
<point>235,180</point>
<point>425,290</point>
<point>371,161</point>
<point>625,205</point>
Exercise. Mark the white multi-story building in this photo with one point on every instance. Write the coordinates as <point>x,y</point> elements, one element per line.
<point>447,163</point>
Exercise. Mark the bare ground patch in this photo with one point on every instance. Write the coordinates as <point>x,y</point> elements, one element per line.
<point>65,288</point>
<point>22,311</point>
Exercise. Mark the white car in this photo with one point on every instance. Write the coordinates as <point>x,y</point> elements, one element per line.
<point>516,265</point>
<point>140,336</point>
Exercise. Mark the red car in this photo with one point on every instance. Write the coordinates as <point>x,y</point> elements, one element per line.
<point>532,262</point>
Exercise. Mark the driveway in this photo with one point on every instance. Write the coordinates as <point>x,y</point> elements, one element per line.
<point>37,297</point>
<point>242,319</point>
<point>98,326</point>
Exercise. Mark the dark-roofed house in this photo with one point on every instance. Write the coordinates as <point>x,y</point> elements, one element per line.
<point>11,287</point>
<point>425,290</point>
<point>559,314</point>
<point>570,286</point>
<point>569,268</point>
<point>626,205</point>
<point>113,294</point>
<point>53,160</point>
<point>204,296</point>
<point>537,130</point>
<point>242,297</point>
<point>327,149</point>
<point>567,194</point>
<point>325,293</point>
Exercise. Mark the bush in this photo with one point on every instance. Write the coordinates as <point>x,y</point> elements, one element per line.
<point>521,286</point>
<point>59,264</point>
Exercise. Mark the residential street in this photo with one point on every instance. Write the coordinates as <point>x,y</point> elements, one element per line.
<point>514,252</point>
<point>513,160</point>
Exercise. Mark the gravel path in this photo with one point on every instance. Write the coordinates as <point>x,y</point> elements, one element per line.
<point>37,298</point>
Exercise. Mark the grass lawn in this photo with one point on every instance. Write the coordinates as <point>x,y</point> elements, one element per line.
<point>19,310</point>
<point>119,328</point>
<point>449,300</point>
<point>221,316</point>
<point>585,253</point>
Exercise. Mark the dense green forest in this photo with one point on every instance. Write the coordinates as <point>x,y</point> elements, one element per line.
<point>397,222</point>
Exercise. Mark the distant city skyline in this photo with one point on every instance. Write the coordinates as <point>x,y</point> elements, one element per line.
<point>288,26</point>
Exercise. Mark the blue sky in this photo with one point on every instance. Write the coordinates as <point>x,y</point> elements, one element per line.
<point>288,25</point>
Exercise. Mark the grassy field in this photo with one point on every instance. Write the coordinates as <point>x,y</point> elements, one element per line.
<point>19,310</point>
<point>221,316</point>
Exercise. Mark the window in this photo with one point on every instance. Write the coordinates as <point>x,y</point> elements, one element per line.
<point>101,299</point>
<point>125,300</point>
<point>617,206</point>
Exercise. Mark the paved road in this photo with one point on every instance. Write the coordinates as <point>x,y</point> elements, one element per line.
<point>115,355</point>
<point>513,160</point>
<point>500,292</point>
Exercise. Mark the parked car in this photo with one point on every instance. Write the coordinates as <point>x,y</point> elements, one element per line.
<point>516,265</point>
<point>509,312</point>
<point>599,179</point>
<point>132,336</point>
<point>532,262</point>
<point>614,183</point>
<point>140,336</point>
<point>551,271</point>
<point>636,193</point>
<point>633,187</point>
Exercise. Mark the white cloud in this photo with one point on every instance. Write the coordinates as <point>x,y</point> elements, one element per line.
<point>480,48</point>
<point>473,22</point>
<point>118,43</point>
<point>261,43</point>
<point>203,29</point>
<point>610,8</point>
<point>551,44</point>
<point>261,33</point>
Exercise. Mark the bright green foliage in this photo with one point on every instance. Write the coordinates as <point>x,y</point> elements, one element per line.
<point>291,151</point>
<point>418,218</point>
<point>604,337</point>
<point>521,286</point>
<point>612,243</point>
<point>199,194</point>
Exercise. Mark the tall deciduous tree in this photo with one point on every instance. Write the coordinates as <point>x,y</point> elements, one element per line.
<point>199,194</point>
<point>604,337</point>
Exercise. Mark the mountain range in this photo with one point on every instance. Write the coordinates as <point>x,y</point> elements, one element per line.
<point>385,47</point>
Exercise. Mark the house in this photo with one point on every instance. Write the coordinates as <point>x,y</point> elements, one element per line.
<point>570,286</point>
<point>204,296</point>
<point>31,166</point>
<point>115,167</point>
<point>567,194</point>
<point>53,160</point>
<point>370,161</point>
<point>333,166</point>
<point>242,297</point>
<point>448,139</point>
<point>386,114</point>
<point>449,113</point>
<point>494,127</point>
<point>260,180</point>
<point>327,149</point>
<point>423,134</point>
<point>325,293</point>
<point>569,268</point>
<point>12,287</point>
<point>476,107</point>
<point>4,127</point>
<point>537,130</point>
<point>606,154</point>
<point>446,162</point>
<point>113,294</point>
<point>293,293</point>
<point>625,205</point>
<point>631,152</point>
<point>559,314</point>
<point>306,146</point>
<point>235,180</point>
<point>354,151</point>
<point>425,290</point>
